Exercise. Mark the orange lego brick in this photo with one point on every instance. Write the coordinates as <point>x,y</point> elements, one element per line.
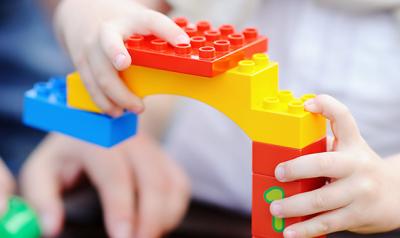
<point>267,189</point>
<point>211,51</point>
<point>266,156</point>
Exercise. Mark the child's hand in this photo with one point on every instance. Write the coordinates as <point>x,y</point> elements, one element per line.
<point>143,193</point>
<point>363,195</point>
<point>7,186</point>
<point>94,33</point>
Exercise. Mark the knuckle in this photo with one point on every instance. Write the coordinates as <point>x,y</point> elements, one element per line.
<point>318,200</point>
<point>101,80</point>
<point>343,111</point>
<point>324,227</point>
<point>368,186</point>
<point>162,184</point>
<point>325,164</point>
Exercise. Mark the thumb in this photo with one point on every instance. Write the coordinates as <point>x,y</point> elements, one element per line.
<point>342,122</point>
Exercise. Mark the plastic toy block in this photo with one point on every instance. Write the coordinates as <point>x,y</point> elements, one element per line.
<point>45,108</point>
<point>248,94</point>
<point>267,189</point>
<point>211,51</point>
<point>266,156</point>
<point>19,221</point>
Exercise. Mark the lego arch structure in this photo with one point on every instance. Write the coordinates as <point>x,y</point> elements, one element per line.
<point>248,94</point>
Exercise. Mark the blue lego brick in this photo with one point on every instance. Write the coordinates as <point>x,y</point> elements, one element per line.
<point>45,108</point>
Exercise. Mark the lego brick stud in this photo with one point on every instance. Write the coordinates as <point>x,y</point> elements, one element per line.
<point>212,35</point>
<point>42,89</point>
<point>307,96</point>
<point>198,41</point>
<point>159,45</point>
<point>203,26</point>
<point>250,33</point>
<point>190,31</point>
<point>261,59</point>
<point>285,96</point>
<point>207,52</point>
<point>135,41</point>
<point>270,103</point>
<point>227,29</point>
<point>183,49</point>
<point>296,107</point>
<point>237,40</point>
<point>181,21</point>
<point>247,66</point>
<point>222,45</point>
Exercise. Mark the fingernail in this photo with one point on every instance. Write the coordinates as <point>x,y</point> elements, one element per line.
<point>48,224</point>
<point>280,173</point>
<point>138,107</point>
<point>309,102</point>
<point>310,105</point>
<point>119,61</point>
<point>182,39</point>
<point>122,230</point>
<point>289,234</point>
<point>276,209</point>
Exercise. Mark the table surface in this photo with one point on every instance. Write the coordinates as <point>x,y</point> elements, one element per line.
<point>201,221</point>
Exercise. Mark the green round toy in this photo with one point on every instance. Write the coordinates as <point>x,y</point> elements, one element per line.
<point>19,221</point>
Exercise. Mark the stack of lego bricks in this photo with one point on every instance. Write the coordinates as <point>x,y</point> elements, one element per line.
<point>223,67</point>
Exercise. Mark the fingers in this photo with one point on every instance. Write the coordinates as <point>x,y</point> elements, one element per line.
<point>165,28</point>
<point>343,124</point>
<point>112,43</point>
<point>162,189</point>
<point>326,223</point>
<point>328,164</point>
<point>110,83</point>
<point>98,96</point>
<point>7,186</point>
<point>110,174</point>
<point>40,185</point>
<point>179,196</point>
<point>313,202</point>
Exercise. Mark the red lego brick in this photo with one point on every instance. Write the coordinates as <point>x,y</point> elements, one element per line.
<point>266,156</point>
<point>211,51</point>
<point>262,220</point>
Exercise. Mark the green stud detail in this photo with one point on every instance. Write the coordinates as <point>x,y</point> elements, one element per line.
<point>19,221</point>
<point>270,195</point>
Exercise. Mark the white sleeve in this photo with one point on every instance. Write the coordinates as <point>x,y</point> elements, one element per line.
<point>219,12</point>
<point>364,5</point>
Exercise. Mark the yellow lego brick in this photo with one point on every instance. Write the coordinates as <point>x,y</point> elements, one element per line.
<point>77,95</point>
<point>247,94</point>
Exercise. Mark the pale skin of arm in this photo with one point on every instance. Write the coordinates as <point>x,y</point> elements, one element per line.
<point>365,5</point>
